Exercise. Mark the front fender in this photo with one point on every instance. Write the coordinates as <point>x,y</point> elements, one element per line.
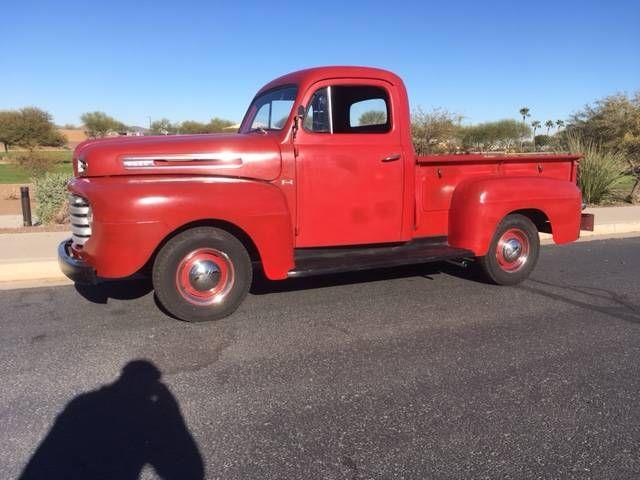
<point>133,215</point>
<point>479,204</point>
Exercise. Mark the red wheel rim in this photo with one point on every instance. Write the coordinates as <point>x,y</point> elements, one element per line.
<point>205,276</point>
<point>512,251</point>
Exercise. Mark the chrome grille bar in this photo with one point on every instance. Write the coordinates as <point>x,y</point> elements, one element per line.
<point>80,216</point>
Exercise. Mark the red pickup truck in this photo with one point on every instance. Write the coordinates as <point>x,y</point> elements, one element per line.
<point>321,178</point>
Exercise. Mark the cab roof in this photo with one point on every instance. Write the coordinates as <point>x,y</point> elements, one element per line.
<point>304,78</point>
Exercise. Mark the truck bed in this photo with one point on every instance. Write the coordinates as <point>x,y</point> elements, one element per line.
<point>437,177</point>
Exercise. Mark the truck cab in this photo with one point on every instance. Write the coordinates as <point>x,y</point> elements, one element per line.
<point>322,177</point>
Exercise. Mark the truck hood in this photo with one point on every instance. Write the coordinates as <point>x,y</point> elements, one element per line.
<point>253,156</point>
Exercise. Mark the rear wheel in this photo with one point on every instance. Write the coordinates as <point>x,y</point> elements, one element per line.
<point>513,252</point>
<point>202,274</point>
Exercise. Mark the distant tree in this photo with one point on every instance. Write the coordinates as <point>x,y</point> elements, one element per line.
<point>163,127</point>
<point>524,113</point>
<point>191,126</point>
<point>10,123</point>
<point>535,125</point>
<point>542,140</point>
<point>99,124</point>
<point>217,125</point>
<point>435,131</point>
<point>28,128</point>
<point>559,124</point>
<point>69,126</point>
<point>502,134</point>
<point>373,117</point>
<point>549,124</point>
<point>613,123</point>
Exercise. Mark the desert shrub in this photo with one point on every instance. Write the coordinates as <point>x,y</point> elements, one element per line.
<point>503,135</point>
<point>35,163</point>
<point>601,169</point>
<point>51,196</point>
<point>434,131</point>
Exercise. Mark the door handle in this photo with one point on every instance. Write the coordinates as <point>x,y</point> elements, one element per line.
<point>392,158</point>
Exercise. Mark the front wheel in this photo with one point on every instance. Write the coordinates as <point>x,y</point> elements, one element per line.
<point>513,252</point>
<point>202,274</point>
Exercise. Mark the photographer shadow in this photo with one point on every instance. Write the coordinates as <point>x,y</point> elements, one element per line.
<point>117,430</point>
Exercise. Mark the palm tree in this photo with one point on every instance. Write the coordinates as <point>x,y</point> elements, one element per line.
<point>559,124</point>
<point>535,125</point>
<point>549,124</point>
<point>524,111</point>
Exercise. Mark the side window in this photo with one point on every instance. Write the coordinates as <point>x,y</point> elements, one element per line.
<point>348,109</point>
<point>317,116</point>
<point>261,120</point>
<point>368,112</point>
<point>360,109</point>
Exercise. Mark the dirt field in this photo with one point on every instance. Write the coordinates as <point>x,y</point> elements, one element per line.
<point>10,199</point>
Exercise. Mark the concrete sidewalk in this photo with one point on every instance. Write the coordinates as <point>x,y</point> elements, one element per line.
<point>610,220</point>
<point>30,259</point>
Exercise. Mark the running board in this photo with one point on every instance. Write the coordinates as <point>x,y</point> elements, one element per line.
<point>318,261</point>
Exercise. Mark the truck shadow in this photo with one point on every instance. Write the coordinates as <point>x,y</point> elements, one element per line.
<point>262,285</point>
<point>125,289</point>
<point>138,286</point>
<point>118,430</point>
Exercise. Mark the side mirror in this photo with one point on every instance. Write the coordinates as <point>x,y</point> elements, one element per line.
<point>297,120</point>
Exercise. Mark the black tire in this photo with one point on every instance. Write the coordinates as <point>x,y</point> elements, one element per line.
<point>496,265</point>
<point>226,259</point>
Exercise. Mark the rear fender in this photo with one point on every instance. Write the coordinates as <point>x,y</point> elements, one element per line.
<point>133,216</point>
<point>479,204</point>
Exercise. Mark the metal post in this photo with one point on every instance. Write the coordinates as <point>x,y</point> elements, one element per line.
<point>26,206</point>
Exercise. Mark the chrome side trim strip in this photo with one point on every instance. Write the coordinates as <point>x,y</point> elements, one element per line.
<point>148,161</point>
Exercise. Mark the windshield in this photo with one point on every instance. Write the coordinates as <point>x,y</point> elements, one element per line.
<point>270,110</point>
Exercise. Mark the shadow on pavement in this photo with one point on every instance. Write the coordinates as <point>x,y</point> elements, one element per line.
<point>261,285</point>
<point>139,286</point>
<point>619,307</point>
<point>113,432</point>
<point>125,289</point>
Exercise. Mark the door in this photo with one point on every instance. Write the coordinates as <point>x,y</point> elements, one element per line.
<point>349,165</point>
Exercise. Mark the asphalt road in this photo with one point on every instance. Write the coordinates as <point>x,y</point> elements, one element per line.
<point>412,373</point>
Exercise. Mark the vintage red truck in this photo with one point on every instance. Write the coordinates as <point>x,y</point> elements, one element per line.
<point>322,177</point>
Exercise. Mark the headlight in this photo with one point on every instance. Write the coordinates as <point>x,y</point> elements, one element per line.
<point>81,166</point>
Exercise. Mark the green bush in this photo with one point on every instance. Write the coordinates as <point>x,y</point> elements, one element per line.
<point>35,163</point>
<point>601,170</point>
<point>51,196</point>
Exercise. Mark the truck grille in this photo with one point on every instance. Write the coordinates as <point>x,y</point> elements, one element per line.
<point>80,215</point>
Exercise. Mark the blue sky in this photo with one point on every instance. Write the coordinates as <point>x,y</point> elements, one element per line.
<point>198,59</point>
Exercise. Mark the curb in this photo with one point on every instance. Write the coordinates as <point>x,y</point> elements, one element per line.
<point>46,272</point>
<point>31,271</point>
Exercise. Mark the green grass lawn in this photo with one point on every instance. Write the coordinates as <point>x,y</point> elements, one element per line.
<point>12,173</point>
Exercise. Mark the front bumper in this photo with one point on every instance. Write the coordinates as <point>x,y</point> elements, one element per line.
<point>74,268</point>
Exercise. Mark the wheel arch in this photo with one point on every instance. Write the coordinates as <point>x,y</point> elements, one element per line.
<point>225,225</point>
<point>538,217</point>
<point>478,205</point>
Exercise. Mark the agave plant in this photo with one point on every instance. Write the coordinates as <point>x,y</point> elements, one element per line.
<point>601,170</point>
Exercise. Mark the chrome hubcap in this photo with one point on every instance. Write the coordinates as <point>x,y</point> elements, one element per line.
<point>204,275</point>
<point>511,249</point>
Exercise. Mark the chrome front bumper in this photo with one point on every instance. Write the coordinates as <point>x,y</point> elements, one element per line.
<point>74,268</point>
